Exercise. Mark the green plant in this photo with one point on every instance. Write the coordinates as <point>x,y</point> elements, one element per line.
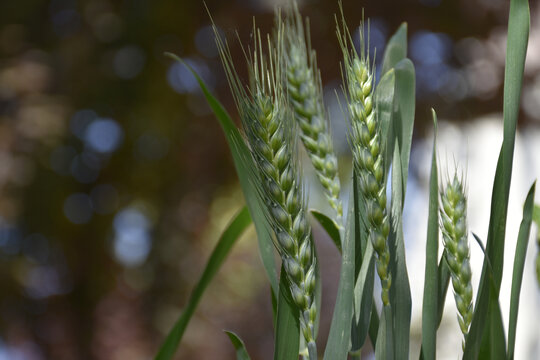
<point>381,120</point>
<point>454,229</point>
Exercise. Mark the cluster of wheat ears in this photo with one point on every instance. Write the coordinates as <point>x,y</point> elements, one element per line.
<point>281,107</point>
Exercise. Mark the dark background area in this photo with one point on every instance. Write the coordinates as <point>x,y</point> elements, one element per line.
<point>115,179</point>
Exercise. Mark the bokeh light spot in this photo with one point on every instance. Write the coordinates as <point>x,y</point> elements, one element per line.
<point>103,135</point>
<point>132,242</point>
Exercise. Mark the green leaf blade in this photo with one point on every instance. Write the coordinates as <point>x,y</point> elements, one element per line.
<point>220,252</point>
<point>431,283</point>
<point>287,335</point>
<point>518,34</point>
<point>404,117</point>
<point>396,49</point>
<point>519,264</point>
<point>337,345</point>
<point>400,292</point>
<point>241,352</point>
<point>243,164</point>
<point>329,226</point>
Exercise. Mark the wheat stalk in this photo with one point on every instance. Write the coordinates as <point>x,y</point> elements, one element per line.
<point>270,132</point>
<point>366,145</point>
<point>454,229</point>
<point>304,87</point>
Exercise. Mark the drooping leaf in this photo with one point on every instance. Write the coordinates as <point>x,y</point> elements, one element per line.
<point>519,263</point>
<point>337,345</point>
<point>518,34</point>
<point>287,336</point>
<point>329,226</point>
<point>243,164</point>
<point>241,352</point>
<point>430,304</point>
<point>220,252</point>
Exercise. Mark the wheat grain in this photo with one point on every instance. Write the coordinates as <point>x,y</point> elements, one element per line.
<point>305,96</point>
<point>270,132</point>
<point>453,215</point>
<point>366,146</point>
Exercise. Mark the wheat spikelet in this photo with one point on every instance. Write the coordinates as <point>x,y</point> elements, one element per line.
<point>270,132</point>
<point>366,145</point>
<point>454,229</point>
<point>305,96</point>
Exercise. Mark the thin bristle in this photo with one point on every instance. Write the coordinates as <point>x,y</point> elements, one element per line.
<point>270,133</point>
<point>304,90</point>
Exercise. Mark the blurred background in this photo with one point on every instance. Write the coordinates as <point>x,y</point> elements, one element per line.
<point>116,181</point>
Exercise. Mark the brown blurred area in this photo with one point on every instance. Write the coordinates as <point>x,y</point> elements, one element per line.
<point>115,179</point>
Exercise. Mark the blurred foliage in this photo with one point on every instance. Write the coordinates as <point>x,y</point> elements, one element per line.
<point>114,176</point>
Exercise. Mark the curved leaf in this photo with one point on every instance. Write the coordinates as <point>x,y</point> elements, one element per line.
<point>329,226</point>
<point>519,263</point>
<point>243,163</point>
<point>241,352</point>
<point>220,252</point>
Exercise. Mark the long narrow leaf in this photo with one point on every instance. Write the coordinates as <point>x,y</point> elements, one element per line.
<point>400,291</point>
<point>337,345</point>
<point>242,161</point>
<point>431,284</point>
<point>241,352</point>
<point>519,263</point>
<point>518,34</point>
<point>220,252</point>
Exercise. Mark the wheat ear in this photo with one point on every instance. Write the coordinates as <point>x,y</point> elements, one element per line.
<point>454,229</point>
<point>366,145</point>
<point>305,96</point>
<point>270,132</point>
